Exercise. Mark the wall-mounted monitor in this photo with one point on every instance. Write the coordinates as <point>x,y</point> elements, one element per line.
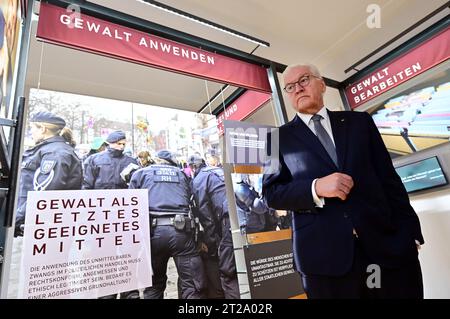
<point>424,174</point>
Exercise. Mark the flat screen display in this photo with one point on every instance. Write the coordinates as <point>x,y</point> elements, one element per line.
<point>422,175</point>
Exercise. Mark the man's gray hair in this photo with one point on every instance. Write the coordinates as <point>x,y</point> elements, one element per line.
<point>314,70</point>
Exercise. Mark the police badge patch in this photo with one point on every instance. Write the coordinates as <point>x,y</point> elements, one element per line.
<point>47,166</point>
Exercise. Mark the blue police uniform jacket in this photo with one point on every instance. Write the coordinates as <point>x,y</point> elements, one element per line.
<point>50,165</point>
<point>211,198</point>
<point>102,170</point>
<point>169,189</point>
<point>251,215</point>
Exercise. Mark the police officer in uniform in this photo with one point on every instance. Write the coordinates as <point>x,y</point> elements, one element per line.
<point>105,170</point>
<point>208,237</point>
<point>210,194</point>
<point>173,227</point>
<point>51,164</point>
<point>253,212</point>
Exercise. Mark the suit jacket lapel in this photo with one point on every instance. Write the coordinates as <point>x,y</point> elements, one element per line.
<point>309,139</point>
<point>339,127</point>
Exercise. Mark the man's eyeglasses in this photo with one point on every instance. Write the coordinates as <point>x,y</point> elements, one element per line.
<point>303,82</point>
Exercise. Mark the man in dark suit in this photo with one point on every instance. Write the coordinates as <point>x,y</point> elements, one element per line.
<point>355,234</point>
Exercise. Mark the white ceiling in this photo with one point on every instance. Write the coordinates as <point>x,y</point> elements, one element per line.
<point>331,34</point>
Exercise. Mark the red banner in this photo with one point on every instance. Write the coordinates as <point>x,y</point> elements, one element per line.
<point>64,27</point>
<point>402,69</point>
<point>245,105</point>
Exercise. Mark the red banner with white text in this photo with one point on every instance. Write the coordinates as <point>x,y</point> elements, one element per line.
<point>60,26</point>
<point>416,61</point>
<point>244,105</point>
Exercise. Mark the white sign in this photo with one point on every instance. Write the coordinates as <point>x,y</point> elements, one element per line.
<point>85,243</point>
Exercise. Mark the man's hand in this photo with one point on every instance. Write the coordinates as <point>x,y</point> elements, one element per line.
<point>418,246</point>
<point>334,185</point>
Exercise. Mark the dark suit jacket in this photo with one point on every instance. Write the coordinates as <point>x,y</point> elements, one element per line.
<point>377,207</point>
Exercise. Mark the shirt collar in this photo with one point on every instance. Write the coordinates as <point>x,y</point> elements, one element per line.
<point>306,118</point>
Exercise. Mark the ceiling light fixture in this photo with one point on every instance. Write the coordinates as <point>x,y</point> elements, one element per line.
<point>204,22</point>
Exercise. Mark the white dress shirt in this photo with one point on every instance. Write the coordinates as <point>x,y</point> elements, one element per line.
<point>325,121</point>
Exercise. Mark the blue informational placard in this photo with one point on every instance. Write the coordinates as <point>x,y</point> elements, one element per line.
<point>424,174</point>
<point>271,270</point>
<point>252,144</point>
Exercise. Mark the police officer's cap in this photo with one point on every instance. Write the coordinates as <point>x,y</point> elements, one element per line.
<point>116,136</point>
<point>195,160</point>
<point>47,117</point>
<point>167,156</point>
